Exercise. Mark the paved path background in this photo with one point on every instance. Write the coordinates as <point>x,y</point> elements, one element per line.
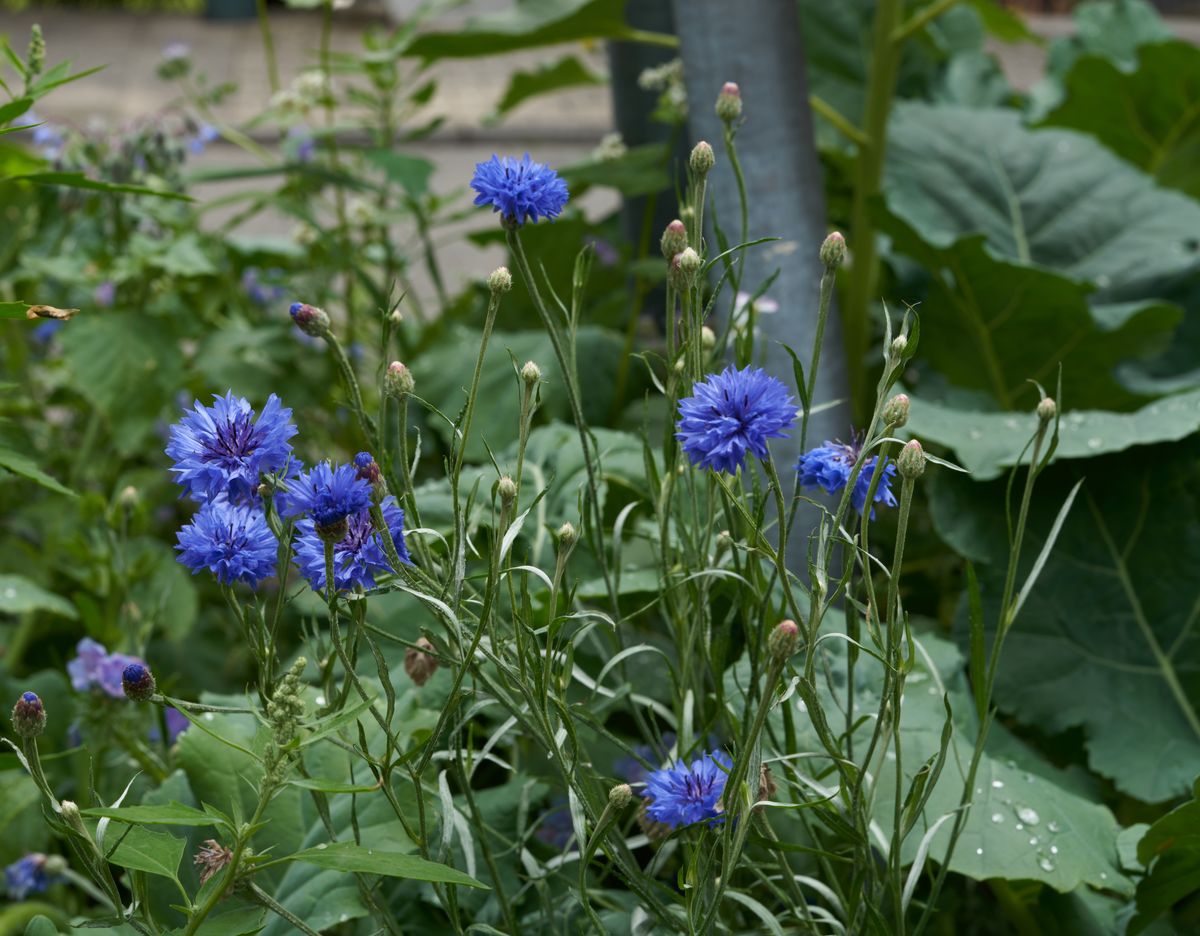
<point>558,128</point>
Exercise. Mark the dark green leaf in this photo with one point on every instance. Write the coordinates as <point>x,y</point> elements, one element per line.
<point>1107,640</point>
<point>20,464</point>
<point>175,814</point>
<point>988,443</point>
<point>1170,850</point>
<point>1147,115</point>
<point>18,595</point>
<point>527,24</point>
<point>13,310</point>
<point>566,72</point>
<point>14,109</point>
<point>145,850</point>
<point>409,172</point>
<point>1051,198</point>
<point>79,180</point>
<point>346,856</point>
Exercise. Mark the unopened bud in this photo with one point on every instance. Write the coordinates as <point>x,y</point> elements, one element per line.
<point>898,347</point>
<point>783,640</point>
<point>398,381</point>
<point>55,866</point>
<point>419,663</point>
<point>619,796</point>
<point>729,103</point>
<point>29,716</point>
<point>833,251</point>
<point>530,373</point>
<point>70,813</point>
<point>1046,409</point>
<point>506,487</point>
<point>500,281</point>
<point>567,535</point>
<point>138,682</point>
<point>674,239</point>
<point>129,497</point>
<point>895,410</point>
<point>708,338</point>
<point>702,159</point>
<point>911,460</point>
<point>37,52</point>
<point>309,319</point>
<point>684,267</point>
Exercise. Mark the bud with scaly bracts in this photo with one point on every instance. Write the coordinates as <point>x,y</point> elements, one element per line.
<point>309,319</point>
<point>619,796</point>
<point>783,640</point>
<point>1046,409</point>
<point>138,682</point>
<point>911,460</point>
<point>506,487</point>
<point>895,410</point>
<point>29,716</point>
<point>833,251</point>
<point>419,662</point>
<point>530,373</point>
<point>674,239</point>
<point>702,159</point>
<point>398,381</point>
<point>729,103</point>
<point>684,268</point>
<point>500,281</point>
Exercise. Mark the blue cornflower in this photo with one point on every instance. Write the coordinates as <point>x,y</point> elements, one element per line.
<point>328,495</point>
<point>829,467</point>
<point>520,189</point>
<point>138,682</point>
<point>27,876</point>
<point>232,541</point>
<point>95,668</point>
<point>222,449</point>
<point>680,794</point>
<point>732,413</point>
<point>357,556</point>
<point>47,329</point>
<point>205,134</point>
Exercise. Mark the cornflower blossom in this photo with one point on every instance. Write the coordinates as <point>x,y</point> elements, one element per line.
<point>684,794</point>
<point>358,557</point>
<point>519,189</point>
<point>232,541</point>
<point>732,414</point>
<point>829,466</point>
<point>224,449</point>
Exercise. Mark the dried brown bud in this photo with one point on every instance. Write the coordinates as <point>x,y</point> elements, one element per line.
<point>419,663</point>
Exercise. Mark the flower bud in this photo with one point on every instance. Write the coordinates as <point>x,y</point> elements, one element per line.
<point>506,487</point>
<point>708,338</point>
<point>367,469</point>
<point>398,381</point>
<point>500,281</point>
<point>29,716</point>
<point>129,497</point>
<point>767,788</point>
<point>309,319</point>
<point>138,682</point>
<point>655,831</point>
<point>895,410</point>
<point>1046,409</point>
<point>702,159</point>
<point>783,640</point>
<point>530,373</point>
<point>70,813</point>
<point>55,866</point>
<point>567,535</point>
<point>419,663</point>
<point>36,58</point>
<point>729,103</point>
<point>674,239</point>
<point>911,460</point>
<point>684,268</point>
<point>833,251</point>
<point>898,347</point>
<point>619,796</point>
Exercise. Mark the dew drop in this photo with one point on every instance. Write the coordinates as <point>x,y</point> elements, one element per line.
<point>1053,848</point>
<point>978,851</point>
<point>996,784</point>
<point>1094,442</point>
<point>1029,778</point>
<point>997,818</point>
<point>1046,864</point>
<point>1103,875</point>
<point>1032,841</point>
<point>1053,826</point>
<point>209,716</point>
<point>323,844</point>
<point>1028,816</point>
<point>1020,827</point>
<point>978,791</point>
<point>321,699</point>
<point>975,434</point>
<point>12,592</point>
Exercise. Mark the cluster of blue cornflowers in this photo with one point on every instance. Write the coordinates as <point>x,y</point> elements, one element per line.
<point>32,874</point>
<point>732,414</point>
<point>222,454</point>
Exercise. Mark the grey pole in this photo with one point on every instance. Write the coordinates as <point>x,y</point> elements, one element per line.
<point>758,44</point>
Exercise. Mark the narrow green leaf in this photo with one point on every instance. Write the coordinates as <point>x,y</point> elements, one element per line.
<point>80,181</point>
<point>21,465</point>
<point>346,856</point>
<point>978,647</point>
<point>171,814</point>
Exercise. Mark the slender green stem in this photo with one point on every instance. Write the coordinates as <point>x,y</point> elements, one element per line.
<point>268,42</point>
<point>921,19</point>
<point>488,322</point>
